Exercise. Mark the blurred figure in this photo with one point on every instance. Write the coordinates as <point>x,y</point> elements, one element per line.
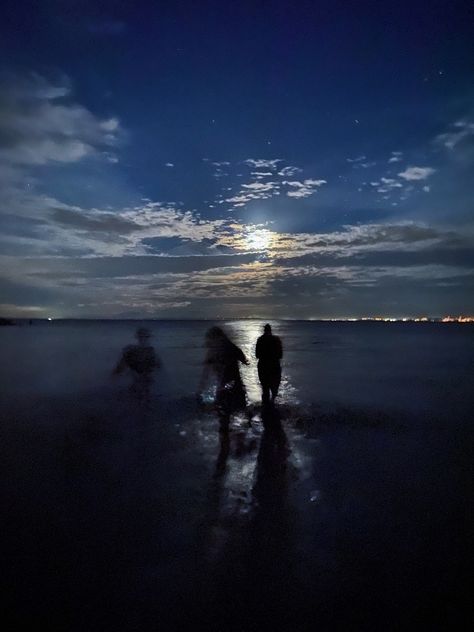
<point>269,352</point>
<point>141,360</point>
<point>222,362</point>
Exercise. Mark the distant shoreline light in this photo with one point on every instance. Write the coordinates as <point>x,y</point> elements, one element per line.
<point>415,319</point>
<point>341,319</point>
<point>458,319</point>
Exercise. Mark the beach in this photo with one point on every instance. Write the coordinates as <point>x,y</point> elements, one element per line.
<point>344,507</point>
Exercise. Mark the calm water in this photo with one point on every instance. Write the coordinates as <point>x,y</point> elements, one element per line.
<point>132,513</point>
<point>407,366</point>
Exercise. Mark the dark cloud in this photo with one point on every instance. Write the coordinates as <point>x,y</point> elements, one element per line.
<point>112,267</point>
<point>17,226</point>
<point>459,257</point>
<point>97,222</point>
<point>376,234</point>
<point>25,294</point>
<point>177,247</point>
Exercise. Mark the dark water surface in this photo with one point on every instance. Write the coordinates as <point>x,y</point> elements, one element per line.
<point>345,508</point>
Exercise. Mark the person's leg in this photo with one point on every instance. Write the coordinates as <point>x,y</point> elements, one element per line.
<point>263,377</point>
<point>223,408</point>
<point>275,383</point>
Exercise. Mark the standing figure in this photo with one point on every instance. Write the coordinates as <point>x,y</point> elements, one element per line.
<point>269,352</point>
<point>222,361</point>
<point>141,360</point>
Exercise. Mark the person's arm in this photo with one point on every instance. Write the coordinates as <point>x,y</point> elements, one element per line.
<point>121,364</point>
<point>241,356</point>
<point>257,349</point>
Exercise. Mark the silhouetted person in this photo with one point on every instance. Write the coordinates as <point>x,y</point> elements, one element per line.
<point>141,360</point>
<point>269,352</point>
<point>222,360</point>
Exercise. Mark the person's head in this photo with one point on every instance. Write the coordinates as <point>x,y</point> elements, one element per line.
<point>142,335</point>
<point>215,335</point>
<point>267,329</point>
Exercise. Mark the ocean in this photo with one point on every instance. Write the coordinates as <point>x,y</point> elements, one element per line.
<point>345,506</point>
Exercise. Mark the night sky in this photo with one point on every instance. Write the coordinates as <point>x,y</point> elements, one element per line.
<point>236,159</point>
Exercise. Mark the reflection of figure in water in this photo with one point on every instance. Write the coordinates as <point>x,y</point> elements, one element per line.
<point>269,352</point>
<point>224,450</point>
<point>141,360</point>
<point>222,360</point>
<point>272,458</point>
<point>272,535</point>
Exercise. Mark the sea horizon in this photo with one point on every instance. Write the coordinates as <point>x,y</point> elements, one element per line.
<point>329,319</point>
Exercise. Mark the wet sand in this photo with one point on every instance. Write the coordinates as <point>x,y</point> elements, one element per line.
<point>136,514</point>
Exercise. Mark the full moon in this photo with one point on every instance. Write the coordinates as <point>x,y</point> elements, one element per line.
<point>258,239</point>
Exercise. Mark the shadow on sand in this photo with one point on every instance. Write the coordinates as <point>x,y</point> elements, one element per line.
<point>251,534</point>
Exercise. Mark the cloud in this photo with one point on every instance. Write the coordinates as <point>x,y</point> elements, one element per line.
<point>42,225</point>
<point>403,184</point>
<point>289,171</point>
<point>40,124</point>
<point>297,267</point>
<point>160,219</point>
<point>169,164</point>
<point>386,185</point>
<point>260,186</point>
<point>416,173</point>
<point>358,159</point>
<point>264,190</point>
<point>303,189</point>
<point>340,265</point>
<point>460,132</point>
<point>92,221</point>
<point>53,269</point>
<point>262,163</point>
<point>396,156</point>
<point>360,162</point>
<point>253,191</point>
<point>354,239</point>
<point>260,175</point>
<point>351,241</point>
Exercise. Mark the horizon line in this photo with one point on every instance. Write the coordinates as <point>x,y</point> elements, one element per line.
<point>401,319</point>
